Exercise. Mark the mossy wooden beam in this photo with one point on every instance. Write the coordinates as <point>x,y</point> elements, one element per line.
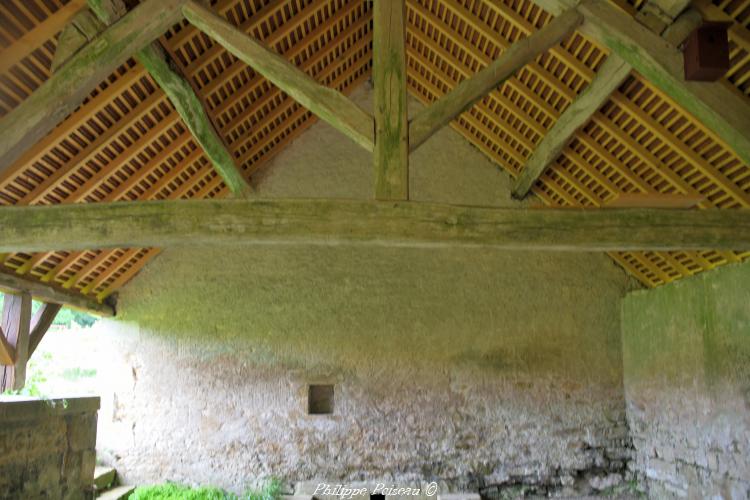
<point>68,87</point>
<point>83,28</point>
<point>611,74</point>
<point>718,108</point>
<point>556,7</point>
<point>391,114</point>
<point>328,104</point>
<point>392,223</point>
<point>183,97</point>
<point>12,283</point>
<point>441,112</point>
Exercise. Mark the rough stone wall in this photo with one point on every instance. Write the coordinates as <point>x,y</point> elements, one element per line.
<point>686,353</point>
<point>47,448</point>
<point>472,366</point>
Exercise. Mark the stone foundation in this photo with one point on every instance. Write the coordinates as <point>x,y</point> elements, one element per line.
<point>47,447</point>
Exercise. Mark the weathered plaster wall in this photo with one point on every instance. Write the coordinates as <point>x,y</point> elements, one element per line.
<point>467,365</point>
<point>687,379</point>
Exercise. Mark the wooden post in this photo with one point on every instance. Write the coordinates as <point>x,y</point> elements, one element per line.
<point>391,114</point>
<point>15,324</point>
<point>611,74</point>
<point>49,104</point>
<point>328,104</point>
<point>183,97</point>
<point>469,91</point>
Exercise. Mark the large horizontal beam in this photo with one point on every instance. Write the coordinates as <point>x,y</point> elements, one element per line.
<point>47,293</point>
<point>328,104</point>
<point>718,108</point>
<point>469,91</point>
<point>48,105</point>
<point>330,222</point>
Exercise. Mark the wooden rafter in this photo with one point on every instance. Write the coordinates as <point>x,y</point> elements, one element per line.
<point>612,73</point>
<point>391,114</point>
<point>274,221</point>
<point>184,99</point>
<point>710,102</point>
<point>66,89</point>
<point>49,293</point>
<point>469,91</point>
<point>328,104</point>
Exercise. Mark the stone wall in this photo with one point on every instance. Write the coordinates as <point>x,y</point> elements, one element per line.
<point>468,365</point>
<point>686,353</point>
<point>47,447</point>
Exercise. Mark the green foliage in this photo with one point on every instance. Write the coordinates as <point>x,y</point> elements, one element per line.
<point>271,490</point>
<point>171,491</point>
<point>76,373</point>
<point>31,388</point>
<point>66,317</point>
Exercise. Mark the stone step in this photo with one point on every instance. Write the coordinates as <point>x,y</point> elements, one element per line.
<point>116,493</point>
<point>104,477</point>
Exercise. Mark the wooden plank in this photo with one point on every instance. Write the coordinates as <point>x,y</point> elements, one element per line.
<point>183,97</point>
<point>36,37</point>
<point>391,113</point>
<point>7,353</point>
<point>321,221</point>
<point>328,104</point>
<point>556,7</point>
<point>440,113</point>
<point>40,323</point>
<point>612,73</point>
<point>73,82</point>
<point>655,200</point>
<point>16,320</point>
<point>719,109</point>
<point>48,293</point>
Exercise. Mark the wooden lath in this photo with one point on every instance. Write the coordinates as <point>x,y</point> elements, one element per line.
<point>127,143</point>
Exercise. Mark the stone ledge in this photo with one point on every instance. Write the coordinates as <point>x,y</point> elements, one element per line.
<point>24,407</point>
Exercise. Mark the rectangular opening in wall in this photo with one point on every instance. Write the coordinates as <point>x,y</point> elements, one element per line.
<point>320,399</point>
<point>377,496</point>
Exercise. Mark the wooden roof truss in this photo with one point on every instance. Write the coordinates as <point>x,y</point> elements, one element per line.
<point>586,109</point>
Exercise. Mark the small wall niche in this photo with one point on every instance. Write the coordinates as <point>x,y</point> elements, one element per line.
<point>320,399</point>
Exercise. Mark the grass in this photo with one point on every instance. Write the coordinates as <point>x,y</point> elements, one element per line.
<point>271,490</point>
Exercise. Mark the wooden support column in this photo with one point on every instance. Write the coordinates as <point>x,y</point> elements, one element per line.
<point>612,73</point>
<point>720,109</point>
<point>391,113</point>
<point>16,320</point>
<point>469,91</point>
<point>40,323</point>
<point>183,97</point>
<point>328,104</point>
<point>394,223</point>
<point>49,104</point>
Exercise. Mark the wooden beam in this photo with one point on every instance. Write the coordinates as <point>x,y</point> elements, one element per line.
<point>391,113</point>
<point>83,28</point>
<point>331,222</point>
<point>610,76</point>
<point>16,320</point>
<point>556,7</point>
<point>718,108</point>
<point>74,81</point>
<point>655,200</point>
<point>441,112</point>
<point>40,323</point>
<point>12,283</point>
<point>328,104</point>
<point>183,97</point>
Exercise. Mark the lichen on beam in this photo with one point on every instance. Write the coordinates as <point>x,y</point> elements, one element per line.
<point>392,223</point>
